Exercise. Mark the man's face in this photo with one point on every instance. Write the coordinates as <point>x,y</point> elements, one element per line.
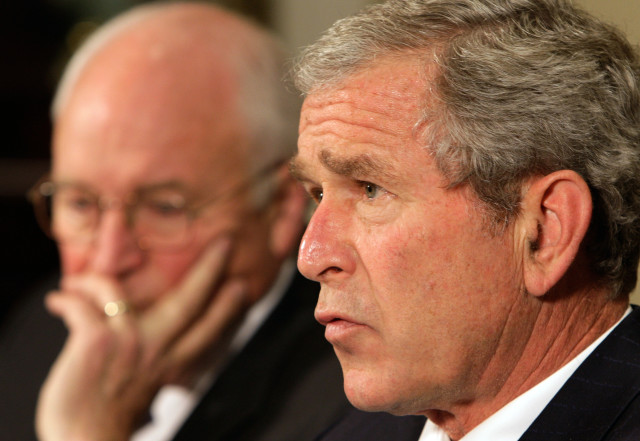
<point>126,130</point>
<point>415,292</point>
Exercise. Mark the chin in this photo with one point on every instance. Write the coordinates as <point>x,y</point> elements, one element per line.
<point>372,393</point>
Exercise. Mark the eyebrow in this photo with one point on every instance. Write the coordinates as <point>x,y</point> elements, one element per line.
<point>354,167</point>
<point>297,169</point>
<point>145,188</point>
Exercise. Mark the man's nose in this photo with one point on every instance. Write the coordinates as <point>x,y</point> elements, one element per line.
<point>115,250</point>
<point>326,252</point>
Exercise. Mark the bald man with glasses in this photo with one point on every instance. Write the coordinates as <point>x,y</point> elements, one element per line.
<point>177,222</point>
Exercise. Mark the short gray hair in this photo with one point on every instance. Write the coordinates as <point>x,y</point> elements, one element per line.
<point>523,88</point>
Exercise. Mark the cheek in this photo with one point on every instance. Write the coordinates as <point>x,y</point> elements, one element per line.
<point>399,258</point>
<point>160,273</point>
<point>424,281</point>
<point>400,276</point>
<point>73,260</point>
<point>171,267</point>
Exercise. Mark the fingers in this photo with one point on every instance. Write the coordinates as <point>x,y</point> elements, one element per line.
<point>76,311</point>
<point>170,335</point>
<point>226,308</point>
<point>106,296</point>
<point>176,310</point>
<point>111,367</point>
<point>89,332</point>
<point>100,290</point>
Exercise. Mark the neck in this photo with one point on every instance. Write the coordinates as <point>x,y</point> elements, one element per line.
<point>538,340</point>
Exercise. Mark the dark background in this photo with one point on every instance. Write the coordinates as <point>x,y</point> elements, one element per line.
<point>36,40</point>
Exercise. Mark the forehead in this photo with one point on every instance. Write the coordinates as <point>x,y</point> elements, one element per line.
<point>128,127</point>
<point>373,113</point>
<point>389,92</point>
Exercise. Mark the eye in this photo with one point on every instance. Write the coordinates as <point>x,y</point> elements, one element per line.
<point>371,191</point>
<point>164,208</point>
<point>75,201</point>
<point>316,194</point>
<point>163,204</point>
<point>81,203</point>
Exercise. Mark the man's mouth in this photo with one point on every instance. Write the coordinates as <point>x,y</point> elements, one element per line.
<point>338,326</point>
<point>338,329</point>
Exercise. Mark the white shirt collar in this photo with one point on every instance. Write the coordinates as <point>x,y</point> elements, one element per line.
<point>173,404</point>
<point>512,421</point>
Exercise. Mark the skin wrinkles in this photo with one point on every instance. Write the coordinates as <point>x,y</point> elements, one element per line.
<point>447,315</point>
<point>428,274</point>
<point>395,96</point>
<point>337,124</point>
<point>446,418</point>
<point>352,167</point>
<point>546,327</point>
<point>335,119</point>
<point>380,170</point>
<point>564,322</point>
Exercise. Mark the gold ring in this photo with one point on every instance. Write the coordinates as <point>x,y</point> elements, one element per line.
<point>115,308</point>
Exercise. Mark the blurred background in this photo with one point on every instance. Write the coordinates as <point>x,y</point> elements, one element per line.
<point>36,39</point>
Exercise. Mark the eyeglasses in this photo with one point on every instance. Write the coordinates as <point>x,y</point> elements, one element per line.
<point>160,217</point>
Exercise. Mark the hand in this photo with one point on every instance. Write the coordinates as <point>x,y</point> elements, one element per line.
<point>103,382</point>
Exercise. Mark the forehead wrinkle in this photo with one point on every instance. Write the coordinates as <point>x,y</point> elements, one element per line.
<point>344,118</point>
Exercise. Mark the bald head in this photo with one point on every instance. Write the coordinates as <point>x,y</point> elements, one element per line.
<point>184,63</point>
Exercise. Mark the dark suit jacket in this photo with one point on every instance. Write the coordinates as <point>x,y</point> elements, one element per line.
<point>286,384</point>
<point>600,402</point>
<point>30,340</point>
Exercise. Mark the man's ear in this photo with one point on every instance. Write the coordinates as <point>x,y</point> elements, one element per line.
<point>286,214</point>
<point>555,217</point>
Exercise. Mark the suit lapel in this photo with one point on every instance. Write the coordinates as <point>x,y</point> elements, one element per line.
<point>590,402</point>
<point>241,389</point>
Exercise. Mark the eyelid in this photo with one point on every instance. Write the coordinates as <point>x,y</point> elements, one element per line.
<point>314,192</point>
<point>380,191</point>
<point>363,183</point>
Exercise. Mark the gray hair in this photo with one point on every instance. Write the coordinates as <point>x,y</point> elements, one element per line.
<point>523,88</point>
<point>257,58</point>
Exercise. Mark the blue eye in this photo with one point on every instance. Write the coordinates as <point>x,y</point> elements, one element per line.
<point>370,190</point>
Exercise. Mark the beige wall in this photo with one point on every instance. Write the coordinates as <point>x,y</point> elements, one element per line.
<point>301,22</point>
<point>623,13</point>
<point>626,15</point>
